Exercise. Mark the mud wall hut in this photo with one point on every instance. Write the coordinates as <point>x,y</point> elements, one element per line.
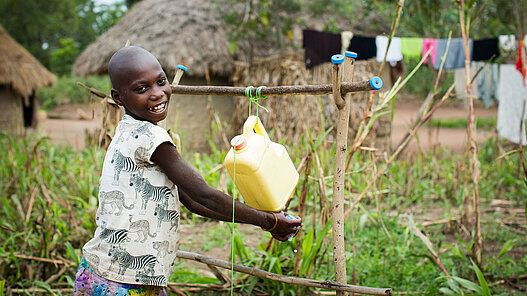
<point>192,33</point>
<point>20,75</point>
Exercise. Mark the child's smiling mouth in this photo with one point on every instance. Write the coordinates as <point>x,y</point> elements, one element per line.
<point>158,108</point>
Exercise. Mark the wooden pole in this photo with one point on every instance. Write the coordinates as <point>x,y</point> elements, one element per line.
<point>321,89</point>
<point>330,285</point>
<point>177,77</point>
<point>478,240</point>
<point>337,208</point>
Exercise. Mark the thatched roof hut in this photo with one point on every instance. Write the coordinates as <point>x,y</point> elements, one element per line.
<point>193,33</point>
<point>20,75</point>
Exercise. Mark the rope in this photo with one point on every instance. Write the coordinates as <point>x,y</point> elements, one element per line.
<point>255,99</point>
<point>252,99</point>
<point>232,235</point>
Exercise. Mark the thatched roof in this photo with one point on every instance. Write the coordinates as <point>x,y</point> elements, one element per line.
<point>19,69</point>
<point>190,33</point>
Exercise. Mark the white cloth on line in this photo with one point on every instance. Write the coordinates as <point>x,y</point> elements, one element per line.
<point>345,37</point>
<point>394,52</point>
<point>511,95</point>
<point>507,42</point>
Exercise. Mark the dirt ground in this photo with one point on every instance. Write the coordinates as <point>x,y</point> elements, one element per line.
<point>69,124</point>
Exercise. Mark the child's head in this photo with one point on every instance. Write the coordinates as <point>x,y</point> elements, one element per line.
<point>139,84</point>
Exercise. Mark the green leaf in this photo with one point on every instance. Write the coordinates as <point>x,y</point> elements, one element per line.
<point>505,155</point>
<point>468,284</point>
<point>507,246</point>
<point>481,279</point>
<point>44,286</point>
<point>447,291</point>
<point>72,253</point>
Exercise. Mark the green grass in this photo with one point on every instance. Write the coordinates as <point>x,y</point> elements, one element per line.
<point>59,185</point>
<point>486,123</point>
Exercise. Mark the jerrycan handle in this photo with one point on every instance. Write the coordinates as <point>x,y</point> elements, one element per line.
<point>252,125</point>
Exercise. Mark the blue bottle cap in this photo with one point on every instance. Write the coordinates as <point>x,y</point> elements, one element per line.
<point>182,67</point>
<point>337,59</point>
<point>376,83</point>
<point>351,54</point>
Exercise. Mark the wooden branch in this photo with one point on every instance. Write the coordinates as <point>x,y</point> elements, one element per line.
<point>53,261</point>
<point>477,248</point>
<point>346,87</point>
<point>330,285</point>
<point>337,208</point>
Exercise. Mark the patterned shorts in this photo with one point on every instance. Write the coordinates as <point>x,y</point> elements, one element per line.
<point>88,282</point>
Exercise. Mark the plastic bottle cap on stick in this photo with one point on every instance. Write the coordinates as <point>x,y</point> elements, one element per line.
<point>376,82</point>
<point>351,54</point>
<point>337,59</point>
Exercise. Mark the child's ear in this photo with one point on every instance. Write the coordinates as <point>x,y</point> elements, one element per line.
<point>116,96</point>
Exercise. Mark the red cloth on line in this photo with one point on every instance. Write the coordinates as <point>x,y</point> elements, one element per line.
<point>520,59</point>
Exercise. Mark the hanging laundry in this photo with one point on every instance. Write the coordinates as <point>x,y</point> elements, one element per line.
<point>521,59</point>
<point>411,47</point>
<point>460,81</point>
<point>485,49</point>
<point>511,94</point>
<point>427,44</point>
<point>394,52</point>
<point>507,42</point>
<point>319,47</point>
<point>364,47</point>
<point>345,39</point>
<point>456,53</point>
<point>487,82</point>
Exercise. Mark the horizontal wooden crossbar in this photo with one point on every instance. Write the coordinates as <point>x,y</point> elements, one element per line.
<point>346,87</point>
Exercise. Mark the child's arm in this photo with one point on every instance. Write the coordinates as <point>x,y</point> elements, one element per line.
<point>196,189</point>
<point>199,209</point>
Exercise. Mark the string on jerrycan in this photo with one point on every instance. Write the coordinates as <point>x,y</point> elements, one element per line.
<point>252,100</point>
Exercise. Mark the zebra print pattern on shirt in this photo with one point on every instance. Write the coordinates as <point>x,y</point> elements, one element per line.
<point>143,278</point>
<point>122,163</point>
<point>159,194</point>
<point>112,236</point>
<point>164,215</point>
<point>125,261</point>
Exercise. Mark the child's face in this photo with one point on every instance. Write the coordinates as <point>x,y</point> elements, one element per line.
<point>143,90</point>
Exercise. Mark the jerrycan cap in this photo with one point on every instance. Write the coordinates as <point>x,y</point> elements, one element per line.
<point>238,142</point>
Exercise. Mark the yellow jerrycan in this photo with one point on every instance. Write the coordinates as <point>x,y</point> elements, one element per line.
<point>265,174</point>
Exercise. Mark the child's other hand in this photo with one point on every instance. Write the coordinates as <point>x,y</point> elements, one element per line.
<point>287,226</point>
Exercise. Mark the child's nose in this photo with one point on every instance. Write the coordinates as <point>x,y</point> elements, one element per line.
<point>157,92</point>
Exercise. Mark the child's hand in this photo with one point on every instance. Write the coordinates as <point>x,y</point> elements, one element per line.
<point>287,226</point>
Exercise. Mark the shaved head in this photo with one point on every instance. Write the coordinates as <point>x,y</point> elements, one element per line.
<point>128,59</point>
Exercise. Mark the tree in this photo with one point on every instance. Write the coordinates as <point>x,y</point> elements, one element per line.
<point>44,27</point>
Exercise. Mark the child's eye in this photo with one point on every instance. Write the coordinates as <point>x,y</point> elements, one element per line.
<point>162,81</point>
<point>140,89</point>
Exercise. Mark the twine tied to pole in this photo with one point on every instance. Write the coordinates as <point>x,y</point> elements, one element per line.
<point>255,99</point>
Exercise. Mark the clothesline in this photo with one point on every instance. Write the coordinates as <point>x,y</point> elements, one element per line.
<point>320,46</point>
